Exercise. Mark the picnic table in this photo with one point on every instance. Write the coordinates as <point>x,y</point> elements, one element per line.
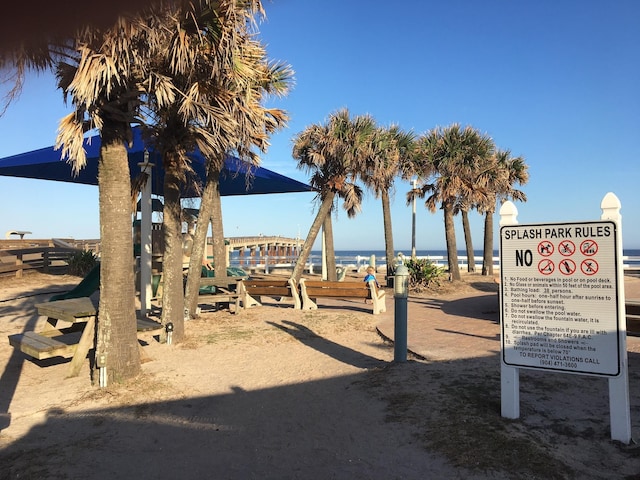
<point>69,332</point>
<point>220,290</point>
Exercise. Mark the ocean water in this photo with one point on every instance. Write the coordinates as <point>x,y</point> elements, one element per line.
<point>363,257</point>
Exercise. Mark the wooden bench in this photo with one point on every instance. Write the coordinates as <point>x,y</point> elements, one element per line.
<point>312,289</point>
<point>284,290</point>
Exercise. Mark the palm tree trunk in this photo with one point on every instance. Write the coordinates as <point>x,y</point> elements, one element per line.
<point>211,190</point>
<point>325,209</point>
<point>327,228</point>
<point>172,292</point>
<point>117,337</point>
<point>471,263</point>
<point>388,236</point>
<point>487,254</point>
<point>450,234</point>
<point>217,235</point>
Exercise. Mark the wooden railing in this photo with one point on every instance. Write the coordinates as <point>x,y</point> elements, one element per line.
<point>16,256</point>
<point>41,258</point>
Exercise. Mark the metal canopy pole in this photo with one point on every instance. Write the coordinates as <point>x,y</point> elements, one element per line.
<point>145,238</point>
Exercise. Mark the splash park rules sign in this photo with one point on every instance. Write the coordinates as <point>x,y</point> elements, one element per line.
<point>559,297</point>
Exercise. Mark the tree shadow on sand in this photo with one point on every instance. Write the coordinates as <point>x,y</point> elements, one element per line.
<point>400,421</point>
<point>332,349</point>
<point>479,307</point>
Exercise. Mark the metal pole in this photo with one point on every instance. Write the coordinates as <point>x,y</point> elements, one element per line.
<point>324,255</point>
<point>414,183</point>
<point>145,239</point>
<point>400,331</point>
<point>401,287</point>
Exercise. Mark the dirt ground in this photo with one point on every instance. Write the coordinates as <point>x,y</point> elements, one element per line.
<point>281,393</point>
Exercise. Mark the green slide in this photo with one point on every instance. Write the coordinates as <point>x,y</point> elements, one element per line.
<point>85,288</point>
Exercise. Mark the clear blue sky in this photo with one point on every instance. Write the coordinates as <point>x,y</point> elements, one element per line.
<point>555,82</point>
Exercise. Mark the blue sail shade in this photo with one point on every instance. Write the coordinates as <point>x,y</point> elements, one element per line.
<point>45,164</point>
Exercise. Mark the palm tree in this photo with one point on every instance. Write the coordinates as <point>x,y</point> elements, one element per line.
<point>97,75</point>
<point>333,153</point>
<point>508,172</point>
<point>198,56</point>
<point>162,78</point>
<point>104,73</point>
<point>251,79</point>
<point>478,172</point>
<point>389,149</point>
<point>452,155</point>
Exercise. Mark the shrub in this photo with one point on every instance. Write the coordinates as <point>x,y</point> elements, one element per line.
<point>423,273</point>
<point>81,263</point>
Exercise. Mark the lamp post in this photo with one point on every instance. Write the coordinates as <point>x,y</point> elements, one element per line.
<point>169,329</point>
<point>400,294</point>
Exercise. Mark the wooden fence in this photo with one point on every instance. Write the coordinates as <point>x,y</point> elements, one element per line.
<point>16,256</point>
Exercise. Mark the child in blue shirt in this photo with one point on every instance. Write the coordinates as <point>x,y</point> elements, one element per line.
<point>371,275</point>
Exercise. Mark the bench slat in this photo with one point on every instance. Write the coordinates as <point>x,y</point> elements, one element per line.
<point>269,291</point>
<point>266,283</point>
<point>215,298</point>
<point>219,282</point>
<point>312,289</point>
<point>339,292</point>
<point>42,347</point>
<point>344,285</point>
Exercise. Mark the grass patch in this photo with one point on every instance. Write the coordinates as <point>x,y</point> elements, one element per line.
<point>459,417</point>
<point>231,334</point>
<point>471,433</point>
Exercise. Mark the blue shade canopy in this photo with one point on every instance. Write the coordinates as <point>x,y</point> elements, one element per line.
<point>45,164</point>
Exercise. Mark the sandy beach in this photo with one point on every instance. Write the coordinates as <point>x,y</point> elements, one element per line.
<point>281,393</point>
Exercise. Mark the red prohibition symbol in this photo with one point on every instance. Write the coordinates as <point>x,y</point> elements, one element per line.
<point>566,248</point>
<point>589,266</point>
<point>567,266</point>
<point>546,266</point>
<point>589,248</point>
<point>545,248</point>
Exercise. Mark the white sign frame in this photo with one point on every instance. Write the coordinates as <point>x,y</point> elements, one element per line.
<point>619,405</point>
<point>559,297</point>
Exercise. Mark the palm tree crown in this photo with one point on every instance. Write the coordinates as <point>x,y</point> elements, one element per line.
<point>333,154</point>
<point>453,157</point>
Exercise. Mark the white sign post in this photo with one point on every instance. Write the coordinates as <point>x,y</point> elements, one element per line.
<point>562,305</point>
